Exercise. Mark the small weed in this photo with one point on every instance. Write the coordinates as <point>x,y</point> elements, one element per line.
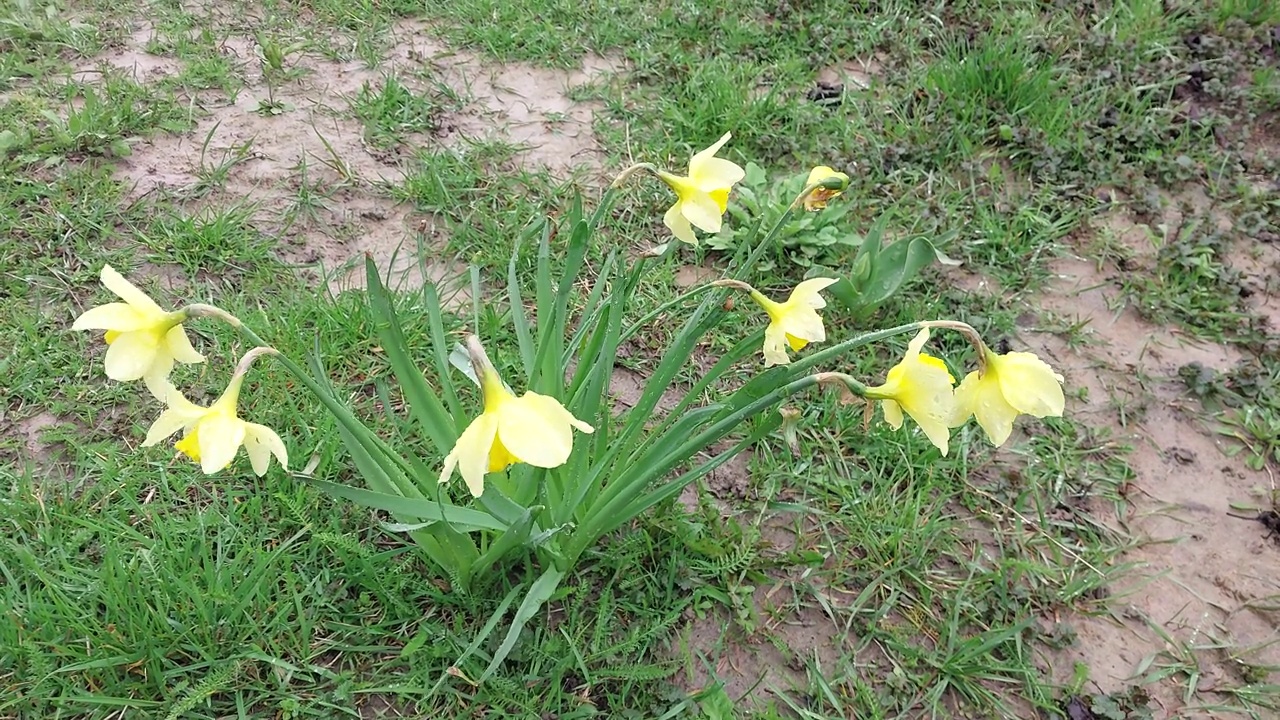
<point>392,112</point>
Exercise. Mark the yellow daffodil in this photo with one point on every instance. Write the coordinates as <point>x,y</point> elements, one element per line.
<point>1013,384</point>
<point>833,183</point>
<point>213,435</point>
<point>920,385</point>
<point>532,428</point>
<point>143,340</point>
<point>703,195</point>
<point>793,323</point>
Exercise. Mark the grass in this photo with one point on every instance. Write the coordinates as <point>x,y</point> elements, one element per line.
<point>933,587</point>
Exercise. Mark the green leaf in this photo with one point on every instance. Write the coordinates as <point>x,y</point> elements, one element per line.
<point>715,703</point>
<point>459,517</point>
<point>424,405</point>
<point>514,537</point>
<point>541,591</point>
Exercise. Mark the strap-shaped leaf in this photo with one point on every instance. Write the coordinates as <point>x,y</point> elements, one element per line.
<point>420,508</point>
<point>514,537</point>
<point>424,405</point>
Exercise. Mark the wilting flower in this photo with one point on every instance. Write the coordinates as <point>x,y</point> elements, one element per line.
<point>532,428</point>
<point>920,385</point>
<point>702,196</point>
<point>1013,384</point>
<point>793,323</point>
<point>143,340</point>
<point>833,183</point>
<point>213,435</point>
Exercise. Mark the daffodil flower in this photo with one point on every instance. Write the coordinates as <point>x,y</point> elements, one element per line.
<point>532,428</point>
<point>703,195</point>
<point>794,323</point>
<point>832,184</point>
<point>920,385</point>
<point>143,340</point>
<point>1013,384</point>
<point>213,435</point>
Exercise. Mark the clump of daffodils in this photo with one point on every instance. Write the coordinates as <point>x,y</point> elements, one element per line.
<point>636,461</point>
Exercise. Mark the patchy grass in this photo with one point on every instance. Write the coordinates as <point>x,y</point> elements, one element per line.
<point>854,573</point>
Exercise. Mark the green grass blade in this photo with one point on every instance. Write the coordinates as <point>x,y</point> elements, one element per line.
<point>541,591</point>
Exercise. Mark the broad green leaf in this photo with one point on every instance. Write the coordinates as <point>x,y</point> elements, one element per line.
<point>459,517</point>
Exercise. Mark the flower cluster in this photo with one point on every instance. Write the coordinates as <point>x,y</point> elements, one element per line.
<point>143,342</point>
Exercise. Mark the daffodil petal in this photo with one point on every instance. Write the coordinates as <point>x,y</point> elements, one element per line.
<point>775,345</point>
<point>536,429</point>
<point>471,453</point>
<point>131,355</point>
<point>702,211</point>
<point>698,163</point>
<point>220,439</point>
<point>180,346</point>
<point>936,430</point>
<point>170,421</point>
<point>1030,385</point>
<point>804,323</point>
<point>261,442</point>
<point>966,399</point>
<point>120,317</point>
<point>128,292</point>
<point>995,417</point>
<point>715,173</point>
<point>917,343</point>
<point>156,377</point>
<point>808,291</point>
<point>679,226</point>
<point>892,413</point>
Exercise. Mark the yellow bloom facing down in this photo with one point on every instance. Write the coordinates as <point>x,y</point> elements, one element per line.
<point>703,195</point>
<point>213,435</point>
<point>1016,383</point>
<point>794,323</point>
<point>920,385</point>
<point>818,198</point>
<point>532,428</point>
<point>143,340</point>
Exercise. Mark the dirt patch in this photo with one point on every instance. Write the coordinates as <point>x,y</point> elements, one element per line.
<point>295,151</point>
<point>131,58</point>
<point>751,665</point>
<point>852,75</point>
<point>1206,575</point>
<point>688,276</point>
<point>32,431</point>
